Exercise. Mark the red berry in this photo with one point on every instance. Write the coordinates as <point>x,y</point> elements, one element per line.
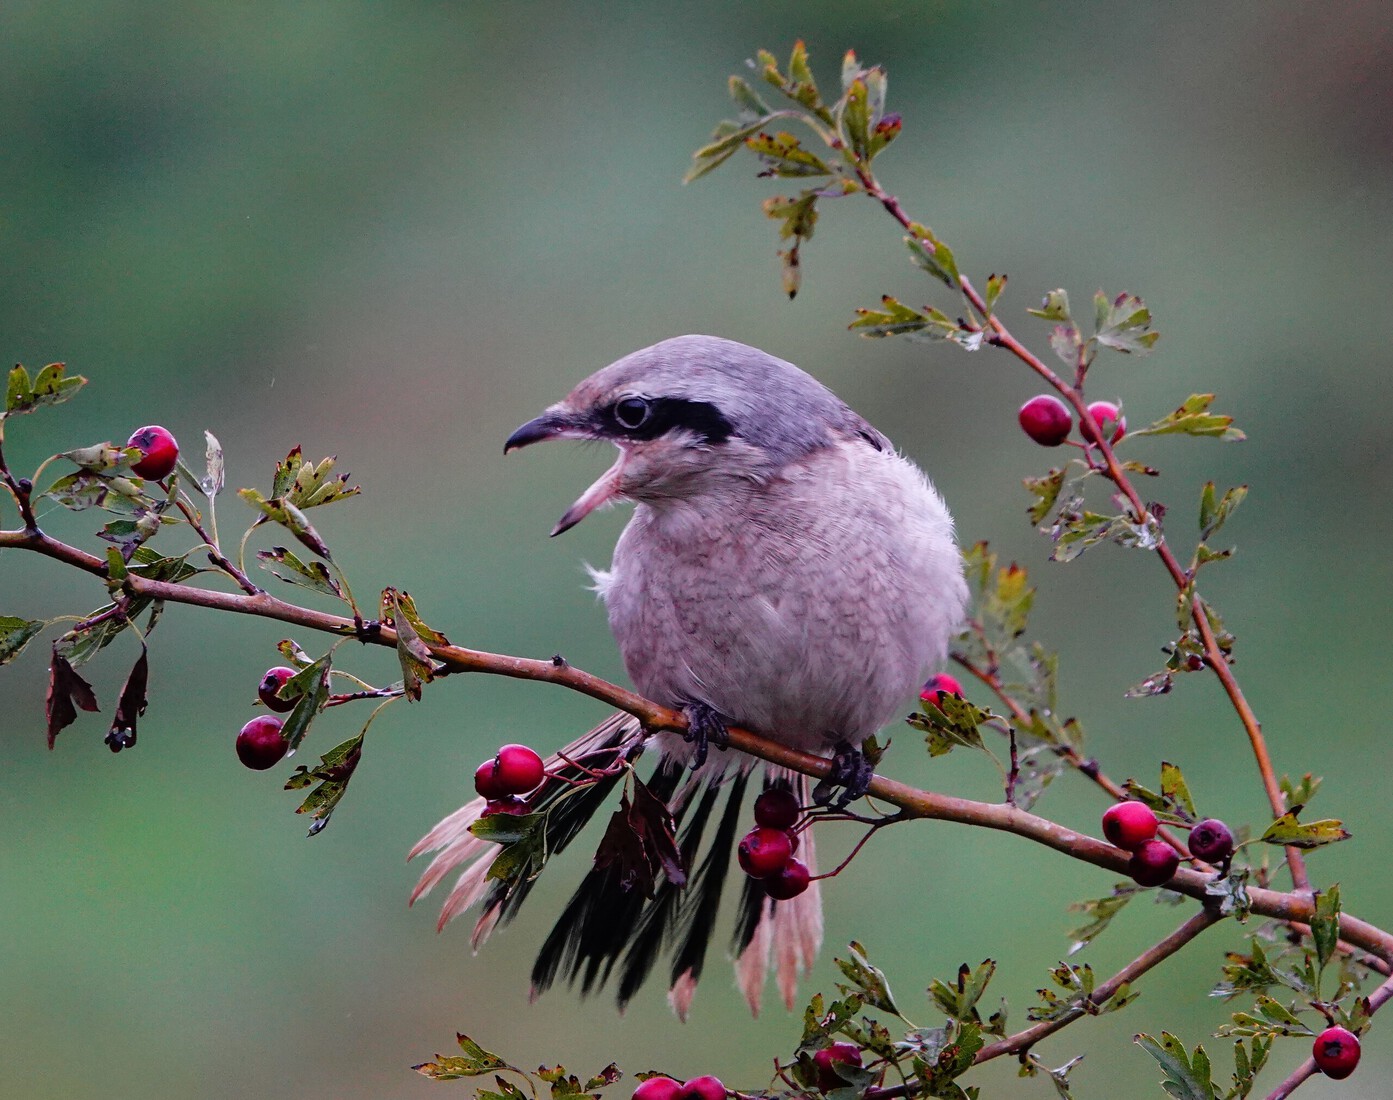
<point>271,683</point>
<point>702,1088</point>
<point>508,804</point>
<point>776,808</point>
<point>828,1058</point>
<point>1046,419</point>
<point>936,687</point>
<point>789,882</point>
<point>486,779</point>
<point>517,769</point>
<point>1211,840</point>
<point>1129,825</point>
<point>763,852</point>
<point>657,1088</point>
<point>1153,863</point>
<point>1110,420</point>
<point>1336,1051</point>
<point>260,744</point>
<point>159,449</point>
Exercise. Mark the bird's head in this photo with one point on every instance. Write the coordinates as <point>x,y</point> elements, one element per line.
<point>690,415</point>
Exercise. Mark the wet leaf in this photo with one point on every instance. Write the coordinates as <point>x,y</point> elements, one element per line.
<point>130,706</point>
<point>15,634</point>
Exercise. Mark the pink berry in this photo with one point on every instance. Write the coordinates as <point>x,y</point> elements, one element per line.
<point>1211,840</point>
<point>1046,419</point>
<point>789,882</point>
<point>260,744</point>
<point>1129,825</point>
<point>829,1058</point>
<point>702,1088</point>
<point>159,449</point>
<point>271,683</point>
<point>508,804</point>
<point>517,769</point>
<point>1336,1051</point>
<point>776,808</point>
<point>1153,863</point>
<point>1110,421</point>
<point>936,687</point>
<point>657,1088</point>
<point>763,852</point>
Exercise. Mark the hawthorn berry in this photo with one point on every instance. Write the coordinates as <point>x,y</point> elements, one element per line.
<point>936,687</point>
<point>789,882</point>
<point>764,851</point>
<point>271,683</point>
<point>702,1088</point>
<point>776,808</point>
<point>657,1088</point>
<point>1110,420</point>
<point>1336,1051</point>
<point>260,744</point>
<point>515,769</point>
<point>1153,863</point>
<point>159,450</point>
<point>1046,419</point>
<point>508,804</point>
<point>828,1058</point>
<point>1211,840</point>
<point>1129,825</point>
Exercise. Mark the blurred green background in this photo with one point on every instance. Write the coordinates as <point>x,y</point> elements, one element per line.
<point>392,231</point>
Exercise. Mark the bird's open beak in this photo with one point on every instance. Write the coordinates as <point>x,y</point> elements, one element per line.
<point>561,425</point>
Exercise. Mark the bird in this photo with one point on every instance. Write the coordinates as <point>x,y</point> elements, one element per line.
<point>785,570</point>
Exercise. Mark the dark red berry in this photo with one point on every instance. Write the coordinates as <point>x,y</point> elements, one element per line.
<point>1129,825</point>
<point>260,744</point>
<point>789,882</point>
<point>508,804</point>
<point>1336,1051</point>
<point>486,780</point>
<point>271,683</point>
<point>1110,421</point>
<point>763,852</point>
<point>776,808</point>
<point>936,687</point>
<point>517,769</point>
<point>702,1088</point>
<point>1046,419</point>
<point>1153,863</point>
<point>829,1058</point>
<point>1211,840</point>
<point>159,449</point>
<point>657,1088</point>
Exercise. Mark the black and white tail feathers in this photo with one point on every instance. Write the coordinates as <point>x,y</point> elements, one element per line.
<point>610,931</point>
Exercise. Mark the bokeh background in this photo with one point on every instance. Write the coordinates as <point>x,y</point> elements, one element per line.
<point>393,231</point>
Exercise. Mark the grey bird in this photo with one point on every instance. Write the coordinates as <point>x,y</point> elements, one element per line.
<point>786,571</point>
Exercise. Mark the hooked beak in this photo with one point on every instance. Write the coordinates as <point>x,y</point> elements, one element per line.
<point>562,425</point>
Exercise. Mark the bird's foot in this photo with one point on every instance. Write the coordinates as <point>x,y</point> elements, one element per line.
<point>851,771</point>
<point>706,726</point>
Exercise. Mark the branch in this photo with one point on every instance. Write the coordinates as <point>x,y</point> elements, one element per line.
<point>1306,1069</point>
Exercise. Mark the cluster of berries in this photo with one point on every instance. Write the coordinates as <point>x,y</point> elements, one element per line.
<point>1132,827</point>
<point>766,851</point>
<point>260,744</point>
<point>1048,421</point>
<point>507,777</point>
<point>825,1060</point>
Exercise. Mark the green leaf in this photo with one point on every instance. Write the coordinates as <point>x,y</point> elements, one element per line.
<point>1215,512</point>
<point>289,516</point>
<point>1185,1079</point>
<point>1065,342</point>
<point>1055,307</point>
<point>1194,418</point>
<point>523,837</point>
<point>413,652</point>
<point>751,107</point>
<point>726,140</point>
<point>311,685</point>
<point>1289,832</point>
<point>1248,1065</point>
<point>802,87</point>
<point>854,121</point>
<point>1231,893</point>
<point>933,256</point>
<point>995,285</point>
<point>1124,324</point>
<point>867,980</point>
<point>1176,792</point>
<point>783,155</point>
<point>1101,912</point>
<point>49,387</point>
<point>314,575</point>
<point>1046,491</point>
<point>306,485</point>
<point>950,723</point>
<point>475,1061</point>
<point>1298,794</point>
<point>15,634</point>
<point>334,770</point>
<point>960,999</point>
<point>1325,924</point>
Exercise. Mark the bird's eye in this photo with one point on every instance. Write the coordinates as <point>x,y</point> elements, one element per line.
<point>631,412</point>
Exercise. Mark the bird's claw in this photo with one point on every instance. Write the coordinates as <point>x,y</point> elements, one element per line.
<point>851,771</point>
<point>706,726</point>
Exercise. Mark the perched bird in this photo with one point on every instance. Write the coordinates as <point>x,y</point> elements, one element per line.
<point>786,571</point>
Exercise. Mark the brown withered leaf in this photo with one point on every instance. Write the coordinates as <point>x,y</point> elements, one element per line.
<point>130,706</point>
<point>66,692</point>
<point>639,842</point>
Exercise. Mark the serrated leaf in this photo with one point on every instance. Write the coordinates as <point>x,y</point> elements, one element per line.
<point>935,257</point>
<point>1065,342</point>
<point>1176,792</point>
<point>868,981</point>
<point>950,722</point>
<point>212,482</point>
<point>48,387</point>
<point>854,121</point>
<point>996,284</point>
<point>1194,418</point>
<point>960,1000</point>
<point>750,106</point>
<point>1231,894</point>
<point>1046,491</point>
<point>1124,324</point>
<point>1214,512</point>
<point>523,837</point>
<point>280,510</point>
<point>311,685</point>
<point>726,140</point>
<point>129,706</point>
<point>67,691</point>
<point>1325,924</point>
<point>1289,832</point>
<point>1101,911</point>
<point>783,156</point>
<point>475,1061</point>
<point>315,575</point>
<point>1296,794</point>
<point>1055,307</point>
<point>1184,1080</point>
<point>334,770</point>
<point>413,652</point>
<point>15,634</point>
